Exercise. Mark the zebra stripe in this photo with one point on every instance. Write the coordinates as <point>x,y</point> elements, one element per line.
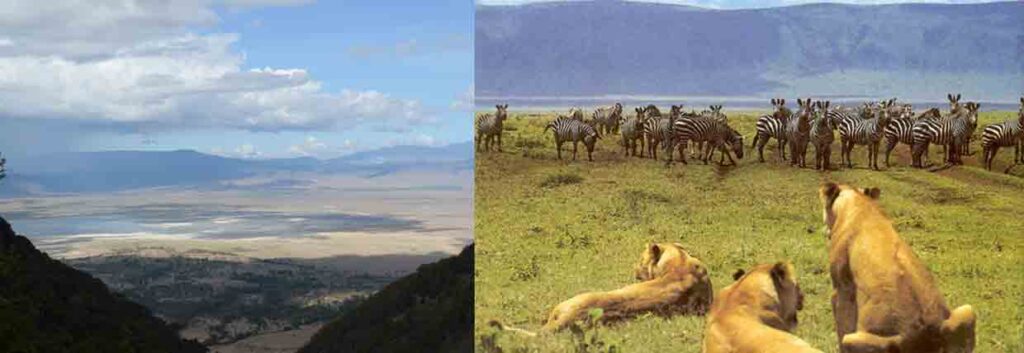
<point>489,127</point>
<point>607,118</point>
<point>856,131</point>
<point>657,129</point>
<point>575,131</point>
<point>953,131</point>
<point>632,130</point>
<point>717,134</point>
<point>798,133</point>
<point>1005,134</point>
<point>822,135</point>
<point>768,127</point>
<point>898,131</point>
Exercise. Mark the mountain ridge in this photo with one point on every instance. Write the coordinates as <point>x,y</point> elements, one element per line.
<point>47,306</point>
<point>595,48</point>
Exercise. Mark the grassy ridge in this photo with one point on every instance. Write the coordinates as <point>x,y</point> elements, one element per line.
<point>547,230</point>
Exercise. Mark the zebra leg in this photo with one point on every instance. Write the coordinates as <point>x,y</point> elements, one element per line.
<point>890,144</point>
<point>760,147</point>
<point>574,145</point>
<point>782,148</point>
<point>499,141</point>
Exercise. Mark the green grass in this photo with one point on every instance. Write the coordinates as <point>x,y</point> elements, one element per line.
<point>541,240</point>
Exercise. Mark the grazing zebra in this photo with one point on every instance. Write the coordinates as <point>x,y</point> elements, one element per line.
<point>570,129</point>
<point>717,134</point>
<point>798,132</point>
<point>854,132</point>
<point>952,131</point>
<point>772,126</point>
<point>822,136</point>
<point>489,126</point>
<point>1005,134</point>
<point>608,118</point>
<point>632,130</point>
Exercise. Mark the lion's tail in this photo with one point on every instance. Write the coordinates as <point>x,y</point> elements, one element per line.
<point>497,324</point>
<point>868,342</point>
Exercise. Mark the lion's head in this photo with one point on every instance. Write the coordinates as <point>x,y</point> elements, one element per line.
<point>788,298</point>
<point>835,197</point>
<point>659,259</point>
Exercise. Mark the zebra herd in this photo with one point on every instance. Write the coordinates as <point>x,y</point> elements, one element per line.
<point>814,123</point>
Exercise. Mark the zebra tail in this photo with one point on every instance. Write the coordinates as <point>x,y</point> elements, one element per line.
<point>753,142</point>
<point>549,126</point>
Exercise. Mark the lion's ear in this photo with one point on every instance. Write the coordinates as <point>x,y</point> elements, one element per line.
<point>780,272</point>
<point>873,193</point>
<point>655,251</point>
<point>739,273</point>
<point>831,191</point>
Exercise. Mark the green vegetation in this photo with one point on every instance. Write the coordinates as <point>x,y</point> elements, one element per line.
<point>46,306</point>
<point>538,246</point>
<point>427,311</point>
<point>232,300</point>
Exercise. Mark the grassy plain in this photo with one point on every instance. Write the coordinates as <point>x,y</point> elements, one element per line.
<point>546,230</point>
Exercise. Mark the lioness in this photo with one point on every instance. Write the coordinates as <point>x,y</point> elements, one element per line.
<point>757,313</point>
<point>885,299</point>
<point>673,282</point>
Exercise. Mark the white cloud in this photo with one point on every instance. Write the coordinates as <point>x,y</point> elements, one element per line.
<point>311,146</point>
<point>464,101</point>
<point>137,63</point>
<point>247,151</point>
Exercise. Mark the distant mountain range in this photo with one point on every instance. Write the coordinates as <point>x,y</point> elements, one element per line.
<point>588,48</point>
<point>122,170</point>
<point>47,306</point>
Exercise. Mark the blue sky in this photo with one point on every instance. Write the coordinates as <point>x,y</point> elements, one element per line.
<point>744,4</point>
<point>242,78</point>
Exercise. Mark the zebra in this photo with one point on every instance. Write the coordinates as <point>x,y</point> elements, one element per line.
<point>632,130</point>
<point>952,131</point>
<point>608,118</point>
<point>489,126</point>
<point>717,134</point>
<point>570,129</point>
<point>576,113</point>
<point>772,126</point>
<point>901,129</point>
<point>655,129</point>
<point>1005,134</point>
<point>798,133</point>
<point>854,132</point>
<point>822,136</point>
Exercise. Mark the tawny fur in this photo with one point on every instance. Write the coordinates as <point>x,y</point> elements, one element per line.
<point>672,283</point>
<point>885,299</point>
<point>757,313</point>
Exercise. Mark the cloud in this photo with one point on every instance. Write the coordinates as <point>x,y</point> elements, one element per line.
<point>311,146</point>
<point>137,65</point>
<point>464,101</point>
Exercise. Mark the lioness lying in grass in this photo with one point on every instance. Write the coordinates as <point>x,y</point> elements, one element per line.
<point>757,313</point>
<point>885,299</point>
<point>673,282</point>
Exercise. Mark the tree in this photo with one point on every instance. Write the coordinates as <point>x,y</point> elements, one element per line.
<point>2,162</point>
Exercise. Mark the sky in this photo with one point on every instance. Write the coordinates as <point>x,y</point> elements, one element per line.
<point>746,4</point>
<point>239,78</point>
